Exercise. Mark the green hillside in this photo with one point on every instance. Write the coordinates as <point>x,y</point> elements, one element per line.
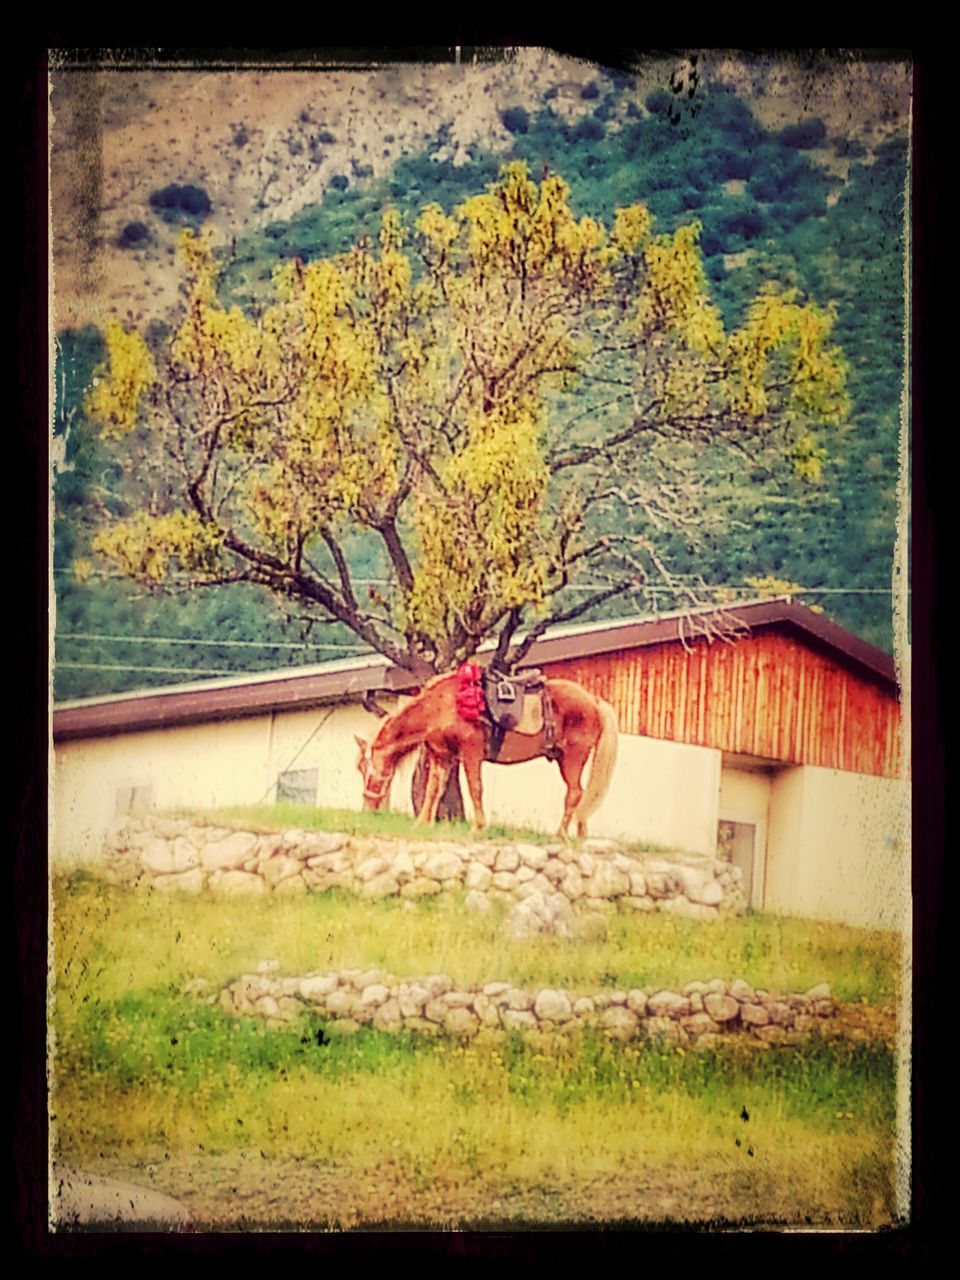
<point>800,207</point>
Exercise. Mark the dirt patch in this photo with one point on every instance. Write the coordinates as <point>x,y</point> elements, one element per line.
<point>244,1191</point>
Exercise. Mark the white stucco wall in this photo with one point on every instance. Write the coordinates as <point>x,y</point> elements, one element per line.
<point>838,847</point>
<point>233,762</point>
<point>661,792</point>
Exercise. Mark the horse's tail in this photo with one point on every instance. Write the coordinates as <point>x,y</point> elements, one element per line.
<point>604,759</point>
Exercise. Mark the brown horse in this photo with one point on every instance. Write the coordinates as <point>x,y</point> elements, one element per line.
<point>583,724</point>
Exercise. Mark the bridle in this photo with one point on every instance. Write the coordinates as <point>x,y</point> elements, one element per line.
<point>374,788</point>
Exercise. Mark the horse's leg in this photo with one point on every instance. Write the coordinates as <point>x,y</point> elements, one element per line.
<point>441,771</point>
<point>571,770</point>
<point>431,794</point>
<point>471,756</point>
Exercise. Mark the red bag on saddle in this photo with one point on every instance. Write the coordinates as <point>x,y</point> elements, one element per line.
<point>470,701</point>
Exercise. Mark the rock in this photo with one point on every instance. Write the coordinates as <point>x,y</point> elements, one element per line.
<point>640,904</point>
<point>721,1008</point>
<point>317,986</point>
<point>820,992</point>
<point>230,853</point>
<point>445,865</point>
<point>387,1017</point>
<point>536,884</point>
<point>478,877</point>
<point>505,880</point>
<point>157,856</point>
<point>518,1020</point>
<point>780,1012</point>
<point>461,1022</point>
<point>572,883</point>
<point>486,1011</point>
<point>375,994</point>
<point>772,1035</point>
<point>435,1010</point>
<point>554,1005</point>
<point>402,865</point>
<point>182,882</point>
<point>384,885</point>
<point>698,1024</point>
<point>680,906</point>
<point>667,1004</point>
<point>341,1003</point>
<point>280,868</point>
<point>319,843</point>
<point>516,998</point>
<point>637,1002</point>
<point>496,988</point>
<point>185,854</point>
<point>586,862</point>
<point>662,884</point>
<point>507,859</point>
<point>477,901</point>
<point>742,990</point>
<point>532,855</point>
<point>806,1023</point>
<point>584,1007</point>
<point>438,984</point>
<point>369,868</point>
<point>458,999</point>
<point>638,884</point>
<point>541,914</point>
<point>754,1015</point>
<point>412,997</point>
<point>607,882</point>
<point>662,1029</point>
<point>619,1022</point>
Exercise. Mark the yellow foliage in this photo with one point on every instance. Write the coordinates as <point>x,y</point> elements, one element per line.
<point>674,296</point>
<point>143,546</point>
<point>114,399</point>
<point>406,387</point>
<point>815,374</point>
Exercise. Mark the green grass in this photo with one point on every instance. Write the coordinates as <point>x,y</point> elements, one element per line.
<point>183,937</point>
<point>144,1073</point>
<point>362,823</point>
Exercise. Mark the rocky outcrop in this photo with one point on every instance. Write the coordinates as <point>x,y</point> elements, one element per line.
<point>550,884</point>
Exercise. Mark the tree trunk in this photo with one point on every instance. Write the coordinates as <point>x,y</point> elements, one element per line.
<point>451,802</point>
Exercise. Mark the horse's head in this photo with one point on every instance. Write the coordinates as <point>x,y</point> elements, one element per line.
<point>376,772</point>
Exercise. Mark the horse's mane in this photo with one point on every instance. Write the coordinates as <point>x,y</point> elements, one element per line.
<point>391,720</point>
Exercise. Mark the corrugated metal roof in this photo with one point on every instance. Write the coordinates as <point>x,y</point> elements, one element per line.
<point>303,687</point>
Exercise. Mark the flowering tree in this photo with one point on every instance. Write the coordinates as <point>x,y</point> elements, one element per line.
<point>504,399</point>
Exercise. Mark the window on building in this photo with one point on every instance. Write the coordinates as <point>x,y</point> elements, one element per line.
<point>132,797</point>
<point>297,786</point>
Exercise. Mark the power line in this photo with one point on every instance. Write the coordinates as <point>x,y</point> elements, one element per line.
<point>215,644</point>
<point>119,666</point>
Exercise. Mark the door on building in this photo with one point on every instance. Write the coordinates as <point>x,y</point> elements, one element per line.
<point>739,842</point>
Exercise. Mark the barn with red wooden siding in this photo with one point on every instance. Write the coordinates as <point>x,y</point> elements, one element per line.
<point>770,735</point>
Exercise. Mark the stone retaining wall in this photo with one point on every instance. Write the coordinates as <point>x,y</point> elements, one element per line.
<point>549,882</point>
<point>700,1013</point>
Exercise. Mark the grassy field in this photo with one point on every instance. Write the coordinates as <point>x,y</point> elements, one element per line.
<point>308,1128</point>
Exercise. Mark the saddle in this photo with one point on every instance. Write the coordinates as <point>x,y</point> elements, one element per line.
<point>518,704</point>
